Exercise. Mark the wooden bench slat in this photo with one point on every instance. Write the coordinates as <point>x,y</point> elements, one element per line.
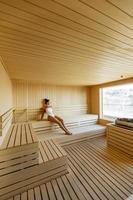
<point>18,137</point>
<point>13,137</point>
<point>56,149</point>
<point>7,138</point>
<point>63,189</point>
<point>44,192</point>
<point>18,160</point>
<point>32,132</point>
<point>43,153</point>
<point>17,197</point>
<point>31,194</point>
<point>37,193</point>
<point>23,138</point>
<point>53,152</point>
<point>61,150</point>
<point>24,196</point>
<point>50,191</point>
<point>28,134</point>
<point>56,189</point>
<point>48,153</point>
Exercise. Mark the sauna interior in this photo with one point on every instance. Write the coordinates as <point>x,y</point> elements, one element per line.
<point>79,55</point>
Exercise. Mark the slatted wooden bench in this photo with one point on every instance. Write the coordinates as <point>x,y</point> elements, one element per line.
<point>50,150</point>
<point>120,138</point>
<point>41,127</point>
<point>82,127</point>
<point>82,133</point>
<point>25,162</point>
<point>19,148</point>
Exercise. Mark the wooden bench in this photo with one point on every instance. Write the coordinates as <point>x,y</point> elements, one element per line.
<point>25,162</point>
<point>19,148</point>
<point>71,122</point>
<point>82,127</point>
<point>50,150</point>
<point>82,133</point>
<point>120,138</point>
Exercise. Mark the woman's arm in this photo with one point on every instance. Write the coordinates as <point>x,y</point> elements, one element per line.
<point>43,112</point>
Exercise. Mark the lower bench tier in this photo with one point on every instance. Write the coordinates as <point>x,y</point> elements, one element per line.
<point>52,164</point>
<point>120,138</point>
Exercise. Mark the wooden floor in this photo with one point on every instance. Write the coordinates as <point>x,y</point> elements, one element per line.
<point>96,173</point>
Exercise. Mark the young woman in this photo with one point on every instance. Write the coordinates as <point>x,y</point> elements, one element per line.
<point>47,108</point>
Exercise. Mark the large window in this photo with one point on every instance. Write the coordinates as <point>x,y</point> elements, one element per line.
<point>117,101</point>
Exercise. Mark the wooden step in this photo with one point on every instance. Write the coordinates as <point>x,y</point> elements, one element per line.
<point>52,163</point>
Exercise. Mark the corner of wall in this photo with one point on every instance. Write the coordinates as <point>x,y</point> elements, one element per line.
<point>6,101</point>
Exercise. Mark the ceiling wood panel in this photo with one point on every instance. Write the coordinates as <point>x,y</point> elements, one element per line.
<point>74,42</point>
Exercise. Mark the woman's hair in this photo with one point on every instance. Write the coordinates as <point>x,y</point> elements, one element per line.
<point>46,101</point>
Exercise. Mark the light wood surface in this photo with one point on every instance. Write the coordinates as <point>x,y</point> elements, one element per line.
<point>70,122</point>
<point>96,171</point>
<point>81,127</point>
<point>120,138</point>
<point>5,89</point>
<point>76,42</point>
<point>66,100</point>
<point>25,162</point>
<point>19,149</point>
<point>5,122</point>
<point>6,103</point>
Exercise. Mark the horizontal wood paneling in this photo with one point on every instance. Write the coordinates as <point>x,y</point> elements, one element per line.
<point>5,121</point>
<point>120,138</point>
<point>65,100</point>
<point>67,42</point>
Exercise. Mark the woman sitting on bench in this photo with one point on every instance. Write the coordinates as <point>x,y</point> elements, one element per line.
<point>47,108</point>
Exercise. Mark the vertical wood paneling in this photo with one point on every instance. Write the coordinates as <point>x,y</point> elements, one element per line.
<point>65,99</point>
<point>20,94</point>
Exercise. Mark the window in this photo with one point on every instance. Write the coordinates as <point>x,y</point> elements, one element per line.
<point>116,101</point>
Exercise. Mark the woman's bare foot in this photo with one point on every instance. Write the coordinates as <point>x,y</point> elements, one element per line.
<point>68,133</point>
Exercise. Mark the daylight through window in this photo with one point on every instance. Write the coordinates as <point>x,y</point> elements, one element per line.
<point>117,101</point>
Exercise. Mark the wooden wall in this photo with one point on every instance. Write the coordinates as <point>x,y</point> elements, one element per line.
<point>95,96</point>
<point>5,100</point>
<point>66,100</point>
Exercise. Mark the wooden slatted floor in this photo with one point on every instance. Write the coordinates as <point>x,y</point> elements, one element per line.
<point>96,173</point>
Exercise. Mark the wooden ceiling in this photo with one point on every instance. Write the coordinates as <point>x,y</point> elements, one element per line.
<point>67,42</point>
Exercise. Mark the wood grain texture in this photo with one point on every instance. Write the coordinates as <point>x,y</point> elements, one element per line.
<point>25,162</point>
<point>5,122</point>
<point>120,138</point>
<point>96,171</point>
<point>65,100</point>
<point>6,103</point>
<point>76,42</point>
<point>82,127</point>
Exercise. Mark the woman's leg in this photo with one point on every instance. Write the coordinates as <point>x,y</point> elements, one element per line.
<point>42,114</point>
<point>62,121</point>
<point>53,119</point>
